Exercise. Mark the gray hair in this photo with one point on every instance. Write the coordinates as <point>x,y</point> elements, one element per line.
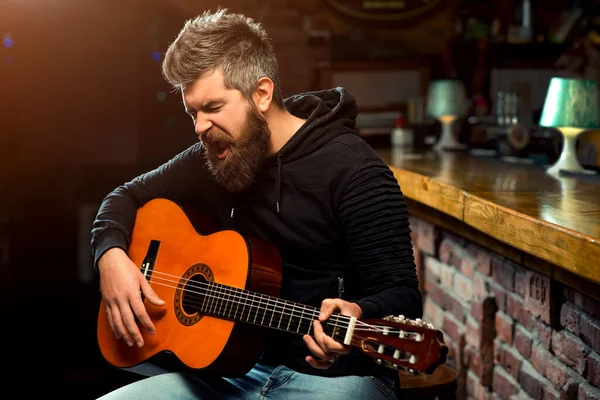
<point>233,43</point>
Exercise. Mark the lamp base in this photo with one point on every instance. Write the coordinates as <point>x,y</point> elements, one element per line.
<point>586,174</point>
<point>568,161</point>
<point>569,170</point>
<point>447,141</point>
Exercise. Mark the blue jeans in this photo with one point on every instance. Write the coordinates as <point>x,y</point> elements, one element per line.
<point>262,382</point>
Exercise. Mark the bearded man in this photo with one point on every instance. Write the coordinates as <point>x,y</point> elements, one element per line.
<point>291,172</point>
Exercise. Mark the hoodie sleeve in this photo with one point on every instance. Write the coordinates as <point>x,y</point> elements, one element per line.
<point>178,180</point>
<point>374,217</point>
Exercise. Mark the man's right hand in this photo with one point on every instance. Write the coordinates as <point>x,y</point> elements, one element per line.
<point>121,285</point>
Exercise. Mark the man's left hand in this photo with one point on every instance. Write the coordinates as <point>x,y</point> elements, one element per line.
<point>322,346</point>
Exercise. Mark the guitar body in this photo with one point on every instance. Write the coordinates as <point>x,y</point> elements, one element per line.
<point>184,260</point>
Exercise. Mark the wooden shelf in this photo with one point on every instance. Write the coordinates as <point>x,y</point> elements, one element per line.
<point>527,55</point>
<point>511,55</point>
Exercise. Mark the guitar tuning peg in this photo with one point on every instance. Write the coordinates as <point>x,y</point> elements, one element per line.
<point>427,325</point>
<point>409,371</point>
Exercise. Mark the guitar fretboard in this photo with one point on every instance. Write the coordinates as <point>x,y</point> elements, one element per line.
<point>258,309</point>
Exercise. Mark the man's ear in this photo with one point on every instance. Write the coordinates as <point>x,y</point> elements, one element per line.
<point>263,94</point>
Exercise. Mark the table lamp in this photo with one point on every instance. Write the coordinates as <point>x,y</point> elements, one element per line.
<point>447,101</point>
<point>571,107</point>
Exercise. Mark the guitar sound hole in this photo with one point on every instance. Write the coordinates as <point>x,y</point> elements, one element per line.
<point>193,294</point>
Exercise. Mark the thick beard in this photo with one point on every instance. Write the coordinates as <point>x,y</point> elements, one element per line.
<point>237,171</point>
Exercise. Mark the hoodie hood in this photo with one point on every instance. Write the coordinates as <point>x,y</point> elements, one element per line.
<point>328,114</point>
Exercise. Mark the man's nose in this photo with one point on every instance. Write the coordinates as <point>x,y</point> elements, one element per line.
<point>203,124</point>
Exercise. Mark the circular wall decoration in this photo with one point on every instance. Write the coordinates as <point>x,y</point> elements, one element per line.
<point>383,10</point>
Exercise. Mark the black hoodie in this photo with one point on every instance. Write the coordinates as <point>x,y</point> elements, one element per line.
<point>332,208</point>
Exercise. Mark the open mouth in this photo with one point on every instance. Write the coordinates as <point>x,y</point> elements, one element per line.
<point>223,150</point>
<point>220,148</point>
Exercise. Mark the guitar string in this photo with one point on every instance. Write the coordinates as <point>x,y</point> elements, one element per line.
<point>296,312</point>
<point>254,304</point>
<point>355,342</point>
<point>284,308</point>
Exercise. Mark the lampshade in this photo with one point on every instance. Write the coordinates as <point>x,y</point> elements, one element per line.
<point>571,107</point>
<point>446,97</point>
<point>571,103</point>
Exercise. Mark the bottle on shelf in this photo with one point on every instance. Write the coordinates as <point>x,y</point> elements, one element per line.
<point>402,134</point>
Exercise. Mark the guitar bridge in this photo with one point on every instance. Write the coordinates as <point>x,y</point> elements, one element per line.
<point>150,259</point>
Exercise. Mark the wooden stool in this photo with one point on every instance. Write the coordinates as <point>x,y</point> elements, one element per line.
<point>441,385</point>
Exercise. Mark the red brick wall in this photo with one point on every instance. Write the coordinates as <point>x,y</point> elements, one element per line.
<point>513,333</point>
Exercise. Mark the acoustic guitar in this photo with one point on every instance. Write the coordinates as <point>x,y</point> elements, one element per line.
<point>221,291</point>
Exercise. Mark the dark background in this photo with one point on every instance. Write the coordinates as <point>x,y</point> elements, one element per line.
<point>83,108</point>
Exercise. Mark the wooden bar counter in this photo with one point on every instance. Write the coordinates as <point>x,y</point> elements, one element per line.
<point>554,218</point>
<point>508,259</point>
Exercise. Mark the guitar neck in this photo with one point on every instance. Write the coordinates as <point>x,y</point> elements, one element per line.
<point>235,304</point>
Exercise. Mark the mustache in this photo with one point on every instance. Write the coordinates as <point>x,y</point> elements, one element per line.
<point>215,135</point>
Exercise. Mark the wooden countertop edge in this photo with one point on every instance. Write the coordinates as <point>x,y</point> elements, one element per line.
<point>449,199</point>
<point>571,250</point>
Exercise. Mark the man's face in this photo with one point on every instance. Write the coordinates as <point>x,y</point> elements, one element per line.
<point>236,136</point>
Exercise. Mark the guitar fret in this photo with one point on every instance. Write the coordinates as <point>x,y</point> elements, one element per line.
<point>310,325</point>
<point>231,302</point>
<point>264,311</point>
<point>259,308</point>
<point>234,296</point>
<point>250,309</point>
<point>264,301</point>
<point>206,298</point>
<point>221,299</point>
<point>344,330</point>
<point>281,314</point>
<point>203,300</point>
<point>300,320</point>
<point>234,300</point>
<point>226,300</point>
<point>243,308</point>
<point>237,305</point>
<point>254,308</point>
<point>217,300</point>
<point>337,319</point>
<point>256,314</point>
<point>205,294</point>
<point>212,298</point>
<point>273,313</point>
<point>291,316</point>
<point>272,309</point>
